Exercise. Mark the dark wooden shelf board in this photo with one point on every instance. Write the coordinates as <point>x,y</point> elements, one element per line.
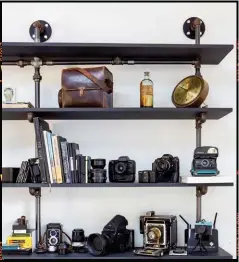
<point>209,54</point>
<point>113,113</point>
<point>18,185</point>
<point>222,254</point>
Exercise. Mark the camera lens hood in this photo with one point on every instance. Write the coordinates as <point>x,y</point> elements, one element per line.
<point>98,163</point>
<point>97,244</point>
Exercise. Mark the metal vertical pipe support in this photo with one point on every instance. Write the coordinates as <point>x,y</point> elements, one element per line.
<point>198,143</point>
<point>37,34</point>
<point>36,192</point>
<point>198,135</point>
<point>38,219</point>
<point>197,24</point>
<point>199,206</point>
<point>37,76</point>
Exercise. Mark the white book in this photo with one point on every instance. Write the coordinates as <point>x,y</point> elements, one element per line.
<point>48,155</point>
<point>206,179</point>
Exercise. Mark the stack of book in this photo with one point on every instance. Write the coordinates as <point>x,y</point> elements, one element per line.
<point>60,161</point>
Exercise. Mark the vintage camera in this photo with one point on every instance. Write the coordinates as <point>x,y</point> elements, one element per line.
<point>122,170</point>
<point>53,236</point>
<point>34,169</point>
<point>114,238</point>
<point>166,169</point>
<point>205,161</point>
<point>147,176</point>
<point>98,174</point>
<point>202,238</point>
<point>159,233</point>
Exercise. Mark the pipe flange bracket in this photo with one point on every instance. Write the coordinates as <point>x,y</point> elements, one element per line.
<point>200,119</point>
<point>35,191</point>
<point>201,190</point>
<point>189,27</point>
<point>30,117</point>
<point>45,30</point>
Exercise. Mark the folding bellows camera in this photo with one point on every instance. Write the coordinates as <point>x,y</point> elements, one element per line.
<point>159,234</point>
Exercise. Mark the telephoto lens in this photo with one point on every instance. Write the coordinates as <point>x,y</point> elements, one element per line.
<point>98,174</point>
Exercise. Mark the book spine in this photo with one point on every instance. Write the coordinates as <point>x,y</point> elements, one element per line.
<point>57,160</point>
<point>59,140</point>
<point>47,148</point>
<point>51,157</point>
<point>66,166</point>
<point>39,152</point>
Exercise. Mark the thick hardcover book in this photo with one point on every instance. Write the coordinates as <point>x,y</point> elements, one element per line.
<point>72,152</point>
<point>59,140</point>
<point>70,159</point>
<point>40,125</point>
<point>65,160</point>
<point>51,155</point>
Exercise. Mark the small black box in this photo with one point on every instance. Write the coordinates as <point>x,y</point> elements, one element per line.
<point>9,174</point>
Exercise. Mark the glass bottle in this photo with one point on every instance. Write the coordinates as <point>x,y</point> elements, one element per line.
<point>146,91</point>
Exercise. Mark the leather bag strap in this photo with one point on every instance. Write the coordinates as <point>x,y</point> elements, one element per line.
<point>101,84</point>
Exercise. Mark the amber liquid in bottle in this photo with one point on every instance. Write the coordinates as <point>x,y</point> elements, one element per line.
<point>146,91</point>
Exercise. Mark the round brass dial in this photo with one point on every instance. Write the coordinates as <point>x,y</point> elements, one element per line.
<point>190,92</point>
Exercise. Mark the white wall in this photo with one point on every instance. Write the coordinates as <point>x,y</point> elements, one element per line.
<point>143,141</point>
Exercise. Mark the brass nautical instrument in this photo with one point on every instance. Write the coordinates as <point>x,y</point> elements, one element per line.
<point>191,91</point>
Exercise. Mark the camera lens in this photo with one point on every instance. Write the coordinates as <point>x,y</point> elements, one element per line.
<point>205,163</point>
<point>98,163</point>
<point>98,176</point>
<point>52,232</point>
<point>120,167</point>
<point>78,235</point>
<point>97,244</point>
<point>201,229</point>
<point>162,165</point>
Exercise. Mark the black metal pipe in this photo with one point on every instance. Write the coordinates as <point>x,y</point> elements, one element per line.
<point>198,196</point>
<point>37,94</point>
<point>197,23</point>
<point>52,63</point>
<point>38,219</point>
<point>37,78</point>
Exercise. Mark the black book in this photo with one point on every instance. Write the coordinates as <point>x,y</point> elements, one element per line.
<point>72,149</point>
<point>78,168</point>
<point>40,125</point>
<point>66,164</point>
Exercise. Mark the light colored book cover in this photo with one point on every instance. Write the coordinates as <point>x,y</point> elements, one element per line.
<point>57,160</point>
<point>45,135</point>
<point>206,180</point>
<point>53,168</point>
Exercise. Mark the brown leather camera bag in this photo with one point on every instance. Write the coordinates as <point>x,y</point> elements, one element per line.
<point>89,87</point>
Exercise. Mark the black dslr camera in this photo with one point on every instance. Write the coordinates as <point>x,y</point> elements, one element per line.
<point>122,170</point>
<point>205,161</point>
<point>166,169</point>
<point>114,238</point>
